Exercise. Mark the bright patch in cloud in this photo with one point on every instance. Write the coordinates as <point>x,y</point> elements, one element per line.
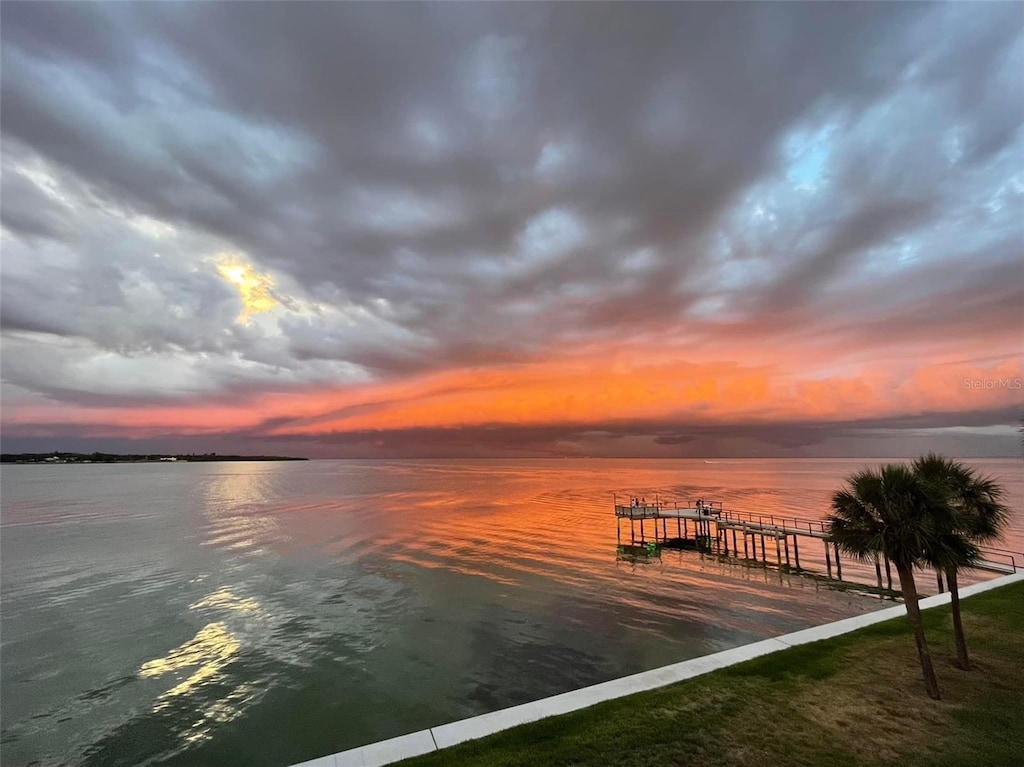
<point>551,233</point>
<point>254,288</point>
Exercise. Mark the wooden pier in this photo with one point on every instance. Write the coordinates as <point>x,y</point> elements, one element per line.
<point>769,539</point>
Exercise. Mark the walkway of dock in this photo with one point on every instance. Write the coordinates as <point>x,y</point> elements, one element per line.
<point>726,533</point>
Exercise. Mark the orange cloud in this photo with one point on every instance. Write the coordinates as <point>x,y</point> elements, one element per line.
<point>583,391</point>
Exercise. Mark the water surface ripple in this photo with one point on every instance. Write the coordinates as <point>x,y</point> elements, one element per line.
<point>268,613</point>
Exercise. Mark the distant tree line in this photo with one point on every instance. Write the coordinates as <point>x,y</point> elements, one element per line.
<point>97,457</point>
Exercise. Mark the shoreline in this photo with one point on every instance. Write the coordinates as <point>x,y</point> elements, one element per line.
<point>63,459</point>
<point>443,736</point>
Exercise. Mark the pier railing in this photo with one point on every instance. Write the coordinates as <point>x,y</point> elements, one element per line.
<point>781,526</point>
<point>1003,560</point>
<point>644,511</point>
<point>776,523</point>
<point>713,510</point>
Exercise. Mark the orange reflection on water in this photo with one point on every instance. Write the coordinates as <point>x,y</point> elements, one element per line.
<point>531,522</point>
<point>498,527</point>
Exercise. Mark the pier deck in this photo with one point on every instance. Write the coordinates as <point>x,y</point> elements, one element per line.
<point>715,528</point>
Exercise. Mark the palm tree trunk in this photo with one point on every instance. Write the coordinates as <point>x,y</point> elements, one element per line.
<point>962,661</point>
<point>910,599</point>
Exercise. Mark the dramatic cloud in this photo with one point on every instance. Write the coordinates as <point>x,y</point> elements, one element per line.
<point>558,228</point>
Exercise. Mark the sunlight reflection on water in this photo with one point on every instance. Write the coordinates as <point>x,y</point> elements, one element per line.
<point>179,614</point>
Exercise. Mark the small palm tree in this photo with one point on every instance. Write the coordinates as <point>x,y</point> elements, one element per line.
<point>893,512</point>
<point>979,516</point>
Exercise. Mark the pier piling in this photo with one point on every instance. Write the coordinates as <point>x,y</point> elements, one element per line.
<point>713,527</point>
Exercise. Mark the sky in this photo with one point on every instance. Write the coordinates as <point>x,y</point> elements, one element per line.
<point>527,229</point>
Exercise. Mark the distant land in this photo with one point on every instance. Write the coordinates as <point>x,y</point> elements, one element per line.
<point>134,458</point>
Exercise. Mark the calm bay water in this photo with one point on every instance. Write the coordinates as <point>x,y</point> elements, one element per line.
<point>267,613</point>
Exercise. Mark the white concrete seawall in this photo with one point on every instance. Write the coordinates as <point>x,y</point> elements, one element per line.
<point>436,738</point>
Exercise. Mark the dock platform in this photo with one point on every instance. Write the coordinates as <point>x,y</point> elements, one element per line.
<point>708,527</point>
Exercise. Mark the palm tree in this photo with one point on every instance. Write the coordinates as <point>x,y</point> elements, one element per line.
<point>978,517</point>
<point>893,512</point>
<point>951,553</point>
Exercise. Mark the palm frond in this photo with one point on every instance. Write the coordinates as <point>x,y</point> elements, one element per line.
<point>964,503</point>
<point>884,511</point>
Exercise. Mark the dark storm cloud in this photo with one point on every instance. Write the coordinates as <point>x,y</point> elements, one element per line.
<point>650,436</point>
<point>635,438</point>
<point>479,184</point>
<point>82,34</point>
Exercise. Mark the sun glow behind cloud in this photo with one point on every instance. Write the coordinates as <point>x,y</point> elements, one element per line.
<point>254,288</point>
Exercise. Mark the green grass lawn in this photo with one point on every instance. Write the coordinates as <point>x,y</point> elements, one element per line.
<point>853,700</point>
